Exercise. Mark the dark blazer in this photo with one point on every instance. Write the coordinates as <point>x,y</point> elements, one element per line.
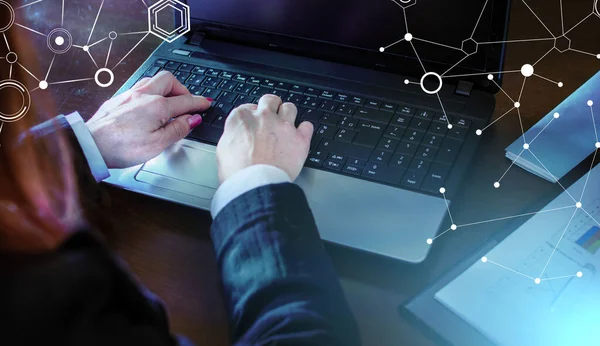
<point>280,286</point>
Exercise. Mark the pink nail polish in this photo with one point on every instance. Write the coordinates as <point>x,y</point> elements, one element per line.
<point>209,99</point>
<point>195,120</point>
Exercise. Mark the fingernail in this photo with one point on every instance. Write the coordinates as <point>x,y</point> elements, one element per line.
<point>195,120</point>
<point>209,99</point>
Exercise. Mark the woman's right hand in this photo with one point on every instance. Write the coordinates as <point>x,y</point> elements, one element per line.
<point>264,134</point>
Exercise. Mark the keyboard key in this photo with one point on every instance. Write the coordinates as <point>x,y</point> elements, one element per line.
<point>225,75</point>
<point>310,91</point>
<point>388,144</point>
<point>330,119</point>
<point>211,72</point>
<point>199,70</point>
<point>172,65</point>
<point>457,132</point>
<point>400,161</point>
<point>368,134</point>
<point>373,104</point>
<point>181,76</point>
<point>310,102</point>
<point>298,88</point>
<point>342,98</point>
<point>326,95</point>
<point>383,174</point>
<point>401,120</point>
<point>352,169</point>
<point>389,107</point>
<point>441,118</point>
<point>425,115</point>
<point>317,158</point>
<point>345,109</point>
<point>227,97</point>
<point>407,148</point>
<point>394,132</point>
<point>161,62</point>
<point>244,88</point>
<point>380,157</point>
<point>357,163</point>
<point>281,93</point>
<point>413,136</point>
<point>186,67</point>
<point>260,91</point>
<point>359,101</point>
<point>433,140</point>
<point>211,82</point>
<point>448,151</point>
<point>283,86</point>
<point>171,70</point>
<point>312,115</point>
<point>348,123</point>
<point>315,141</point>
<point>228,85</point>
<point>239,78</point>
<point>338,158</point>
<point>211,93</point>
<point>206,133</point>
<point>327,131</point>
<point>294,98</point>
<point>343,148</point>
<point>438,128</point>
<point>435,178</point>
<point>419,124</point>
<point>243,99</point>
<point>152,71</point>
<point>328,106</point>
<point>332,165</point>
<point>269,83</point>
<point>462,122</point>
<point>254,80</point>
<point>196,79</point>
<point>413,180</point>
<point>406,110</point>
<point>419,166</point>
<point>373,115</point>
<point>196,90</point>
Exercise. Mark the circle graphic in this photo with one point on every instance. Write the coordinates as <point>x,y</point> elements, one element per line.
<point>112,35</point>
<point>43,85</point>
<point>11,16</point>
<point>436,76</point>
<point>597,8</point>
<point>11,57</point>
<point>527,70</point>
<point>59,41</point>
<point>97,77</point>
<point>12,117</point>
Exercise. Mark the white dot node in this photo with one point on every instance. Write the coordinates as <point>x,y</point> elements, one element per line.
<point>578,205</point>
<point>537,281</point>
<point>449,126</point>
<point>406,81</point>
<point>490,77</point>
<point>453,227</point>
<point>429,241</point>
<point>598,56</point>
<point>43,85</point>
<point>598,145</point>
<point>526,146</point>
<point>561,84</point>
<point>556,115</point>
<point>497,185</point>
<point>517,104</point>
<point>590,103</point>
<point>579,274</point>
<point>527,70</point>
<point>112,35</point>
<point>408,37</point>
<point>484,259</point>
<point>479,132</point>
<point>85,48</point>
<point>382,49</point>
<point>59,40</point>
<point>442,190</point>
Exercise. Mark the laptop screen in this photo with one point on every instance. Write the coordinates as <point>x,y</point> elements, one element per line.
<point>439,27</point>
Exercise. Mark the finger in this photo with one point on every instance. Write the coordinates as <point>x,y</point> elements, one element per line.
<point>178,129</point>
<point>269,102</point>
<point>306,130</point>
<point>288,112</point>
<point>184,104</point>
<point>141,82</point>
<point>164,84</point>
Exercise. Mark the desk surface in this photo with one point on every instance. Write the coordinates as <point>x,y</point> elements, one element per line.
<point>169,249</point>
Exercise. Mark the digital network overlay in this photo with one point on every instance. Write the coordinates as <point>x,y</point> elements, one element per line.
<point>470,46</point>
<point>60,41</point>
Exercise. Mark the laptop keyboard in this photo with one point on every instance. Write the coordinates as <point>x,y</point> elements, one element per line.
<point>371,139</point>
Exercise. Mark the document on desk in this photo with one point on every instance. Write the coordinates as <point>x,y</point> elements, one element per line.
<point>564,137</point>
<point>499,294</point>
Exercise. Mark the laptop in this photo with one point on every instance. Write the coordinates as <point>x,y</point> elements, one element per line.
<point>382,149</point>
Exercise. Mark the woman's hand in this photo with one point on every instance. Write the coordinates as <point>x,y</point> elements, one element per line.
<point>139,124</point>
<point>264,134</point>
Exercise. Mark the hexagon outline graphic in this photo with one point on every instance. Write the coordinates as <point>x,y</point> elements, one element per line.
<point>556,43</point>
<point>156,30</point>
<point>462,46</point>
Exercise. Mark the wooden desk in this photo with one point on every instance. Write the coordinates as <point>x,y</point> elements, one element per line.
<point>169,249</point>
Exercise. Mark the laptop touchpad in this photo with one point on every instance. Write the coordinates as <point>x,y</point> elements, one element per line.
<point>184,169</point>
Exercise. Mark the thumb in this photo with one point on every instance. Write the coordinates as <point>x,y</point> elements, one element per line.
<point>179,128</point>
<point>306,130</point>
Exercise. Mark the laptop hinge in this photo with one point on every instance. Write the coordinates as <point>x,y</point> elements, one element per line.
<point>464,88</point>
<point>197,38</point>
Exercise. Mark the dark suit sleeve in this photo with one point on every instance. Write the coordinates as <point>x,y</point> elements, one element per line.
<point>280,284</point>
